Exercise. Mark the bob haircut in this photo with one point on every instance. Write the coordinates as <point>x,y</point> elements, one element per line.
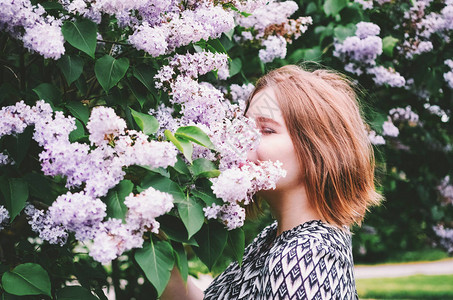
<point>323,118</point>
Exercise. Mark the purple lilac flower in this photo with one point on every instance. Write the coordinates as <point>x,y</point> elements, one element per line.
<point>112,239</point>
<point>404,114</point>
<point>387,76</point>
<point>47,229</point>
<point>46,39</point>
<point>375,139</point>
<point>366,29</point>
<point>78,213</point>
<point>145,207</point>
<point>241,92</point>
<point>446,236</point>
<point>231,215</point>
<point>5,159</point>
<point>388,129</point>
<point>445,189</point>
<point>104,125</point>
<point>274,47</point>
<point>152,40</point>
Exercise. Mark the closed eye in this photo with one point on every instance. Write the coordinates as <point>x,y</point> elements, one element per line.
<point>267,130</point>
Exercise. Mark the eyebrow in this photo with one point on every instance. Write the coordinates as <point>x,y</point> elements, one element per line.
<point>266,119</point>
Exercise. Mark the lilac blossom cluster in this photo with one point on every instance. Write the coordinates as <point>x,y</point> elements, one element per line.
<point>271,27</point>
<point>29,23</point>
<point>375,139</point>
<point>368,4</point>
<point>421,26</point>
<point>4,216</point>
<point>241,92</point>
<point>445,189</point>
<point>359,53</point>
<point>205,20</point>
<point>192,65</point>
<point>448,76</point>
<point>406,114</point>
<point>445,235</point>
<point>236,186</point>
<point>5,159</point>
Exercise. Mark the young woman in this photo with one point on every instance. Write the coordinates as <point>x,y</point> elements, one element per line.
<point>311,122</point>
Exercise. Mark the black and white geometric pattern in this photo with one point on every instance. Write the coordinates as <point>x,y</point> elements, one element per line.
<point>311,261</point>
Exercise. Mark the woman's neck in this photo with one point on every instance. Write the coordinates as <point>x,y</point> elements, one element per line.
<point>291,208</point>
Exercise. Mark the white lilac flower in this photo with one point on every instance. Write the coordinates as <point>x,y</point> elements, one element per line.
<point>104,125</point>
<point>78,213</point>
<point>112,239</point>
<point>145,207</point>
<point>4,216</point>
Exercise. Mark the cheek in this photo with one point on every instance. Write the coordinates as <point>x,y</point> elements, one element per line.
<point>280,149</point>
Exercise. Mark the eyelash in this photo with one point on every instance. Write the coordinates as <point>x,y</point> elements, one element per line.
<point>267,132</point>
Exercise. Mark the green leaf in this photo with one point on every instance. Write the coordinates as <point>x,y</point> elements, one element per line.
<point>40,187</point>
<point>27,279</point>
<point>157,261</point>
<point>182,144</point>
<point>181,261</point>
<point>202,167</point>
<point>235,66</point>
<point>145,74</point>
<point>195,134</point>
<point>313,54</point>
<point>181,167</point>
<point>163,184</point>
<point>19,145</point>
<point>175,229</point>
<point>71,67</point>
<point>48,92</point>
<point>342,32</point>
<point>217,45</point>
<point>388,44</point>
<point>191,213</point>
<point>81,34</point>
<point>147,123</point>
<point>236,241</point>
<point>333,7</point>
<point>205,193</point>
<point>212,239</point>
<point>79,111</point>
<point>15,192</point>
<point>75,293</point>
<point>109,70</point>
<point>115,199</point>
<point>77,133</point>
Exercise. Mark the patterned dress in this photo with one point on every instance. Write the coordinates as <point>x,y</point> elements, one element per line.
<point>311,261</point>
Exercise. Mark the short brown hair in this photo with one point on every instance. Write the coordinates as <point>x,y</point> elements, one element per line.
<point>326,125</point>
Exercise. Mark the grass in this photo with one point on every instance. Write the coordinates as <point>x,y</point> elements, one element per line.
<point>407,256</point>
<point>412,287</point>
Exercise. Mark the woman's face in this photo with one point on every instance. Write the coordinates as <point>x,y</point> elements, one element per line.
<point>276,143</point>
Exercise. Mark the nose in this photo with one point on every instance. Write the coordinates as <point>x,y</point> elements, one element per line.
<point>252,156</point>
